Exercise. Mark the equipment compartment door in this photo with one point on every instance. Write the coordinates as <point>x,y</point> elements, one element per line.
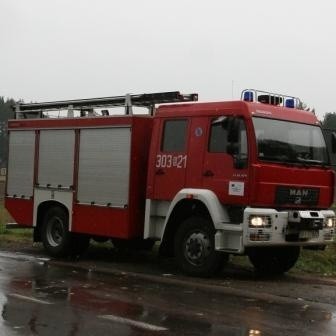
<point>171,159</point>
<point>104,166</point>
<point>21,164</point>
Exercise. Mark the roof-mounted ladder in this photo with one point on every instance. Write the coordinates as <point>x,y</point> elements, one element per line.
<point>87,106</point>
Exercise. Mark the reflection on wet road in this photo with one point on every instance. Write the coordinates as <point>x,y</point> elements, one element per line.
<point>41,299</point>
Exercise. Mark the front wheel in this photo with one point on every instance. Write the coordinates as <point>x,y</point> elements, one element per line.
<point>273,260</point>
<point>194,248</point>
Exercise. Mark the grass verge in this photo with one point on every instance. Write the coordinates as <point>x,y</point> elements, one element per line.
<point>318,262</point>
<point>10,237</point>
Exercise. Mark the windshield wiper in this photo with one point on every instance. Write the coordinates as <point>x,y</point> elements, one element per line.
<point>287,161</point>
<point>280,158</point>
<point>283,160</point>
<point>314,162</point>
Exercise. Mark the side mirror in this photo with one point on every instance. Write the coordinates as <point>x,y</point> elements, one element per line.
<point>232,148</point>
<point>233,130</point>
<point>333,142</point>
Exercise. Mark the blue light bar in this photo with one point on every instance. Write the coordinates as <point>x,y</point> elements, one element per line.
<point>290,103</point>
<point>248,96</point>
<point>275,99</point>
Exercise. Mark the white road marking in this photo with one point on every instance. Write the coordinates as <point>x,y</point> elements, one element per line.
<point>29,298</point>
<point>20,256</point>
<point>133,323</point>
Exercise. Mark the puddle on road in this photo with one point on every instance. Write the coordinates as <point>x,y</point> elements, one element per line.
<point>78,299</point>
<point>4,328</point>
<point>76,307</point>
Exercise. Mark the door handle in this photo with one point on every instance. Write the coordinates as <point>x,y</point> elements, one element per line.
<point>160,172</point>
<point>208,173</point>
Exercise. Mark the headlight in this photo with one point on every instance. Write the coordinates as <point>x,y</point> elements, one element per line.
<point>257,221</point>
<point>329,222</point>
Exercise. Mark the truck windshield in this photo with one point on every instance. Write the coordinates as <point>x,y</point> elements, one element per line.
<point>291,142</point>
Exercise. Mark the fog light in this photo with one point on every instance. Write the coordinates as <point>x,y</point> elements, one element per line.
<point>329,222</point>
<point>256,221</point>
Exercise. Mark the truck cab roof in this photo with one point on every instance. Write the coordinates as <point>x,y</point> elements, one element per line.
<point>241,108</point>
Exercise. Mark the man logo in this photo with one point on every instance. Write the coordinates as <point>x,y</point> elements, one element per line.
<point>298,193</point>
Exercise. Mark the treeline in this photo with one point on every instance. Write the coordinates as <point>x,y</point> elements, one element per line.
<point>329,127</point>
<point>6,113</point>
<point>329,121</point>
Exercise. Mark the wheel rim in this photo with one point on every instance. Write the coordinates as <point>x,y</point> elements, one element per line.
<point>197,248</point>
<point>55,231</point>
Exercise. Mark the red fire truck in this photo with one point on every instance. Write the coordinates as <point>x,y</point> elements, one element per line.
<point>207,180</point>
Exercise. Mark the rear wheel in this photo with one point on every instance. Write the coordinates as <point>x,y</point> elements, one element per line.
<point>56,238</point>
<point>194,248</point>
<point>274,260</point>
<point>55,233</point>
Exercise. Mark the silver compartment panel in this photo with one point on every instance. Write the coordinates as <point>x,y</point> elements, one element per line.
<point>104,166</point>
<point>21,163</point>
<point>56,158</point>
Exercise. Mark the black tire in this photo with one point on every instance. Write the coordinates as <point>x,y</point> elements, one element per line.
<point>273,260</point>
<point>55,234</point>
<point>194,248</point>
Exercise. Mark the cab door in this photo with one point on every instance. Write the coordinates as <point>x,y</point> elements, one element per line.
<point>225,161</point>
<point>171,158</point>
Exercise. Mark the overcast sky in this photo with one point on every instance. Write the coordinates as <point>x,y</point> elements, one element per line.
<point>61,49</point>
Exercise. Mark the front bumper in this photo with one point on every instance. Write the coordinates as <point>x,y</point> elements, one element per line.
<point>276,228</point>
<point>296,227</point>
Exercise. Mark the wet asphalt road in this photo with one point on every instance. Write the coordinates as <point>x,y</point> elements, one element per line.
<point>41,298</point>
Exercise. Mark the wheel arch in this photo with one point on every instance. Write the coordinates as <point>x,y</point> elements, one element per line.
<point>43,199</point>
<point>41,210</point>
<point>187,203</point>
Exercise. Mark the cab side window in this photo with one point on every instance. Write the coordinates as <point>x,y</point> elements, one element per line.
<point>228,135</point>
<point>218,139</point>
<point>174,137</point>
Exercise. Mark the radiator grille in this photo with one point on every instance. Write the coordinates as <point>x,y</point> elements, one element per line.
<point>296,196</point>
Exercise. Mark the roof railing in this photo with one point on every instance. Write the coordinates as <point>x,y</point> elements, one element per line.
<point>87,107</point>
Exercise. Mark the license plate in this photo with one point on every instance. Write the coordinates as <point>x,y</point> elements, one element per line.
<point>308,234</point>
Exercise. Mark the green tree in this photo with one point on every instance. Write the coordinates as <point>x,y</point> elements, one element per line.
<point>304,106</point>
<point>329,127</point>
<point>329,121</point>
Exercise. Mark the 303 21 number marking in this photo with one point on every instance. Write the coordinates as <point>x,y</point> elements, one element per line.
<point>171,161</point>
